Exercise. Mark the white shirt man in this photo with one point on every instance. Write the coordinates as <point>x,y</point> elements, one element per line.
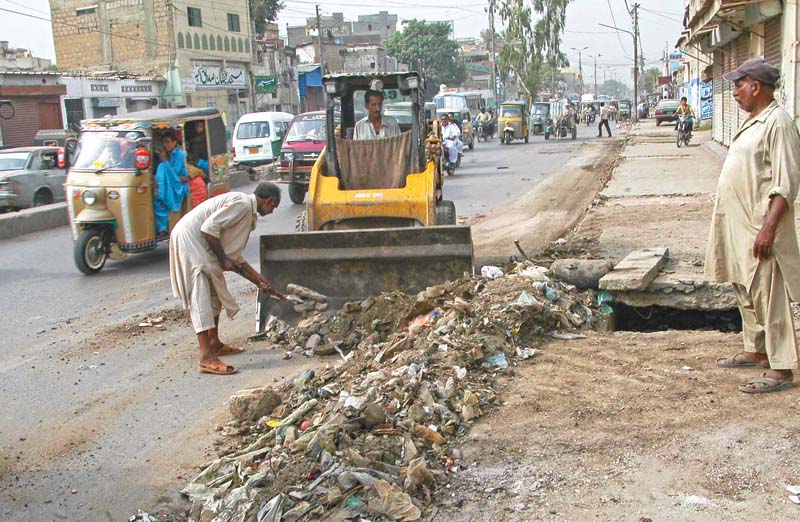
<point>376,125</point>
<point>451,137</point>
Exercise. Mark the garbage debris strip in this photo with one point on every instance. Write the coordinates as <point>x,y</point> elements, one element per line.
<point>373,437</point>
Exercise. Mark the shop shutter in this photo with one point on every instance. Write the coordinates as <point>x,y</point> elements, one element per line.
<point>727,99</point>
<point>742,45</point>
<point>20,130</point>
<point>772,41</point>
<point>717,100</point>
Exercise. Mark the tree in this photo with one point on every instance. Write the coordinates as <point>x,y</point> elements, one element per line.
<point>263,11</point>
<point>426,46</point>
<point>615,88</point>
<point>651,79</point>
<point>533,45</point>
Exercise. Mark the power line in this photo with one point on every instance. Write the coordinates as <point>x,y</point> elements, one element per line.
<point>613,19</point>
<point>661,15</point>
<point>28,7</point>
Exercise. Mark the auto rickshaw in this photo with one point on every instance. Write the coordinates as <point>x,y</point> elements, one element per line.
<point>539,116</point>
<point>624,110</point>
<point>513,122</point>
<point>111,181</point>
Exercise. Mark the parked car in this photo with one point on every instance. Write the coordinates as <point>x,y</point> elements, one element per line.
<point>665,111</point>
<point>301,148</point>
<point>30,177</point>
<point>257,137</point>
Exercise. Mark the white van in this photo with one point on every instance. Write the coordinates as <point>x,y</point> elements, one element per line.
<point>257,137</point>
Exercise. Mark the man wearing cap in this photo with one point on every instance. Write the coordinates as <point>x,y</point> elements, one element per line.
<point>752,242</point>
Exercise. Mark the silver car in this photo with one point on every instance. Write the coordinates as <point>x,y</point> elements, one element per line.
<point>30,177</point>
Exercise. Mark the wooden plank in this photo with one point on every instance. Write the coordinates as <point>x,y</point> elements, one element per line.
<point>636,271</point>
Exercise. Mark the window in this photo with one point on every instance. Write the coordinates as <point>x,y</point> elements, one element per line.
<point>241,46</point>
<point>195,19</point>
<point>188,41</point>
<point>89,9</point>
<point>74,107</point>
<point>216,133</point>
<point>233,22</point>
<point>227,45</point>
<point>212,43</point>
<point>219,43</point>
<point>180,40</point>
<point>247,46</point>
<point>196,42</point>
<point>205,42</point>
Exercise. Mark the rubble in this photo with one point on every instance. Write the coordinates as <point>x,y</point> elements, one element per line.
<point>374,437</point>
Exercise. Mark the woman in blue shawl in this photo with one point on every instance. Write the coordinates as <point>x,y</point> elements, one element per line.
<point>172,182</point>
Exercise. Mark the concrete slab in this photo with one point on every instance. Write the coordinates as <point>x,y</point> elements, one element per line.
<point>637,270</point>
<point>660,149</point>
<point>657,177</point>
<point>30,220</point>
<point>683,291</point>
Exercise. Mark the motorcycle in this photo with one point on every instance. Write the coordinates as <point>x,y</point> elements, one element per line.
<point>682,134</point>
<point>483,131</point>
<point>449,166</point>
<point>548,128</point>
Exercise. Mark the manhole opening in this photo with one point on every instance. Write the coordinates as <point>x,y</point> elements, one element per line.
<point>661,318</point>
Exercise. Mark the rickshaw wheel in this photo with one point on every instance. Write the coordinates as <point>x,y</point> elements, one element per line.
<point>90,251</point>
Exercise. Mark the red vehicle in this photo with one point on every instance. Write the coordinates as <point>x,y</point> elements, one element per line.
<point>301,147</point>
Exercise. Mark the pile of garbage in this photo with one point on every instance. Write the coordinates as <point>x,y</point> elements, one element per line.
<point>373,438</point>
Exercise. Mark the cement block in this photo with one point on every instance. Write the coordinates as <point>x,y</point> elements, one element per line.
<point>15,224</point>
<point>636,271</point>
<point>253,403</point>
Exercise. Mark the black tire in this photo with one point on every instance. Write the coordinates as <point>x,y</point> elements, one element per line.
<point>42,197</point>
<point>297,192</point>
<point>658,123</point>
<point>679,140</point>
<point>472,143</point>
<point>451,169</point>
<point>301,223</point>
<point>546,135</point>
<point>445,212</point>
<point>91,251</point>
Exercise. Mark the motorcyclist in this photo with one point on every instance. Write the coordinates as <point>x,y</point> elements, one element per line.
<point>451,138</point>
<point>486,119</point>
<point>684,109</point>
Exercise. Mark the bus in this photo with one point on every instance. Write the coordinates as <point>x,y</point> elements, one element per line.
<point>460,100</point>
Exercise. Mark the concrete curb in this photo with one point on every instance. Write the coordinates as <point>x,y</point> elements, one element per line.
<point>719,151</point>
<point>33,220</point>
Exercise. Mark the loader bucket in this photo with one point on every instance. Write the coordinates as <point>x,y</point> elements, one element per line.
<point>348,265</point>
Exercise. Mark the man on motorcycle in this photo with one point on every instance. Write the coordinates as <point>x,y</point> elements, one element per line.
<point>686,110</point>
<point>485,119</point>
<point>451,138</point>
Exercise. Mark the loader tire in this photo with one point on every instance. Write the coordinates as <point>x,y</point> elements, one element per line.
<point>297,192</point>
<point>445,213</point>
<point>301,224</point>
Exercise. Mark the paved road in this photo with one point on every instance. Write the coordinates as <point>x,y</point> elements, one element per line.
<point>100,418</point>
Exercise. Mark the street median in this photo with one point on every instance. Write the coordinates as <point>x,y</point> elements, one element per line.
<point>30,220</point>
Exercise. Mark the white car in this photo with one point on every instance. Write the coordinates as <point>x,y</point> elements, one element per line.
<point>257,137</point>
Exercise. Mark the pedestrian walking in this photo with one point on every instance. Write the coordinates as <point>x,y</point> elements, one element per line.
<point>753,243</point>
<point>603,121</point>
<point>207,242</point>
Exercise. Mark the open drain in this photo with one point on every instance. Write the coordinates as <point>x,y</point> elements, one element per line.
<point>661,318</point>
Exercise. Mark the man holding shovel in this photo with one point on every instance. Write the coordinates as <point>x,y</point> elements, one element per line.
<point>204,244</point>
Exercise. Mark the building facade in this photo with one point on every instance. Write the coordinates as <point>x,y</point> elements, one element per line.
<point>202,50</point>
<point>728,32</point>
<point>275,77</point>
<point>98,95</point>
<point>32,101</point>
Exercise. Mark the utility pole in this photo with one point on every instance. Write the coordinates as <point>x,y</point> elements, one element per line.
<point>595,57</point>
<point>319,41</point>
<point>494,56</point>
<point>580,66</point>
<point>635,62</point>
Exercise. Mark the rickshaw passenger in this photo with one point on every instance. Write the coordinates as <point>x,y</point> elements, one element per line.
<point>172,182</point>
<point>196,144</point>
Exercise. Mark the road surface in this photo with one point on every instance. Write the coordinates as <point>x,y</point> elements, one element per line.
<point>101,417</point>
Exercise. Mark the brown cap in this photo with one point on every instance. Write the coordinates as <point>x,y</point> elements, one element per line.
<point>757,69</point>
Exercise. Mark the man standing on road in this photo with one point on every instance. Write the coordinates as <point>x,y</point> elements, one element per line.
<point>376,125</point>
<point>603,121</point>
<point>753,243</point>
<point>206,243</point>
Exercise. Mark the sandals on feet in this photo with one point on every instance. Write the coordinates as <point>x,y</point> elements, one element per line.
<point>738,361</point>
<point>765,384</point>
<point>229,350</point>
<point>217,368</point>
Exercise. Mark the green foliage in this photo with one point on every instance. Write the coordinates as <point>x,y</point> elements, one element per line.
<point>263,11</point>
<point>651,79</point>
<point>615,88</point>
<point>533,40</point>
<point>426,46</point>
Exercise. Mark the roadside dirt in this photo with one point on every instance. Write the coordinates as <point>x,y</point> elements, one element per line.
<point>629,427</point>
<point>550,210</point>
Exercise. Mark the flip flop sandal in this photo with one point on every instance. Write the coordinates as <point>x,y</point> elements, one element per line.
<point>229,350</point>
<point>738,361</point>
<point>765,385</point>
<point>217,368</point>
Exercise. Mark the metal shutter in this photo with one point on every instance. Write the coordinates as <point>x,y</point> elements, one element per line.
<point>717,100</point>
<point>727,99</point>
<point>20,130</point>
<point>742,45</point>
<point>772,41</point>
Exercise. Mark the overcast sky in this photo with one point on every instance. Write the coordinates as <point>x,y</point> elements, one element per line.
<point>660,25</point>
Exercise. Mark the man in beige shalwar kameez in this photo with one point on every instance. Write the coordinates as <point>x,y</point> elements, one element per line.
<point>753,243</point>
<point>204,244</point>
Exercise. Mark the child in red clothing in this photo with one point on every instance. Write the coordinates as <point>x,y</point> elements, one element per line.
<point>197,185</point>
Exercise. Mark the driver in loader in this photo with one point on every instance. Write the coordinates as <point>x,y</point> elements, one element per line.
<point>375,125</point>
